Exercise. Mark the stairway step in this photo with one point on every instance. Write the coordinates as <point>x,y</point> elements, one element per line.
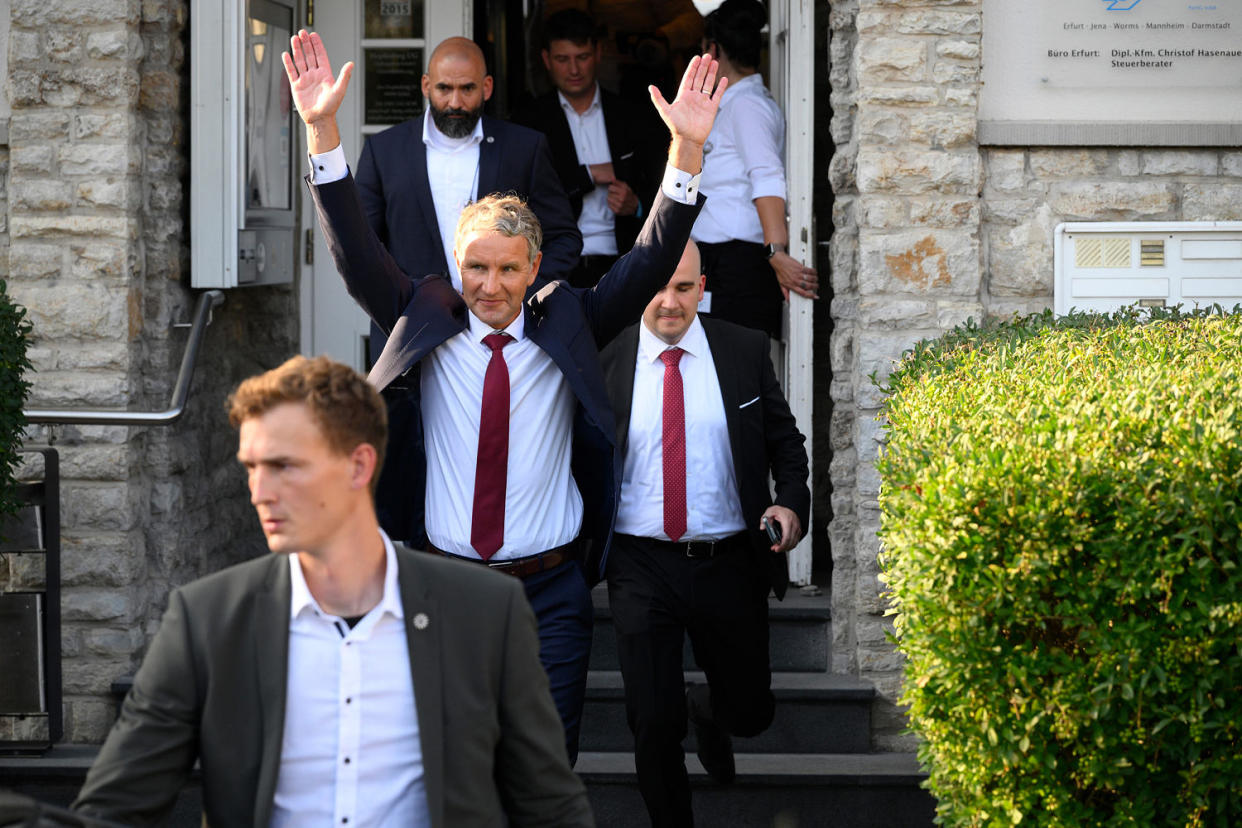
<point>815,713</point>
<point>799,633</point>
<point>873,790</point>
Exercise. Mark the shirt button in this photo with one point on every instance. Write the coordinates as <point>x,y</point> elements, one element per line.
<point>348,700</point>
<point>347,760</point>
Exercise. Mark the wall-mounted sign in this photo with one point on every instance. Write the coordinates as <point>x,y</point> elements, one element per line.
<point>1119,72</point>
<point>392,85</point>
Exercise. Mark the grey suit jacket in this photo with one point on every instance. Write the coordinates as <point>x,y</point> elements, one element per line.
<point>212,689</point>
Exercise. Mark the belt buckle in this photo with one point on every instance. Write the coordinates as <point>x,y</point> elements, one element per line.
<point>709,552</point>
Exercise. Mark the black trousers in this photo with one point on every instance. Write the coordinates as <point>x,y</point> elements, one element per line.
<point>743,285</point>
<point>658,595</point>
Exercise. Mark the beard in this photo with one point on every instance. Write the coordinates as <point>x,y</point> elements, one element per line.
<point>455,123</point>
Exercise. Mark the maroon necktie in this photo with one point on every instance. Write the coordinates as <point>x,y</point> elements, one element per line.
<point>674,420</point>
<point>487,529</point>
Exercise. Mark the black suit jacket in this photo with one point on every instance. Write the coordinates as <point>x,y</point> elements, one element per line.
<point>637,142</point>
<point>569,324</point>
<point>212,688</point>
<point>763,434</point>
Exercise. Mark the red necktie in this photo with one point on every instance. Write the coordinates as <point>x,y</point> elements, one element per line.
<point>674,420</point>
<point>487,529</point>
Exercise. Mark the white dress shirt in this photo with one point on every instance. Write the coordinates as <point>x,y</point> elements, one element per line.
<point>741,162</point>
<point>543,507</point>
<point>351,753</point>
<point>595,222</point>
<point>713,507</point>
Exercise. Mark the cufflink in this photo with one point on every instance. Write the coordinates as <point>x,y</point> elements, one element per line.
<point>421,621</point>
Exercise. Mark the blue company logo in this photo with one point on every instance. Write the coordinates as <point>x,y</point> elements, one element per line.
<point>1121,5</point>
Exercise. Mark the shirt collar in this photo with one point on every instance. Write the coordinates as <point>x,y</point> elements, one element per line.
<point>693,342</point>
<point>569,108</point>
<point>480,329</point>
<point>745,83</point>
<point>390,602</point>
<point>433,137</point>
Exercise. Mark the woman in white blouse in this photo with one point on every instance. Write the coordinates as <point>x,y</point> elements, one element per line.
<point>742,233</point>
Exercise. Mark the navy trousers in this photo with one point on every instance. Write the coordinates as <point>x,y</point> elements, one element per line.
<point>562,605</point>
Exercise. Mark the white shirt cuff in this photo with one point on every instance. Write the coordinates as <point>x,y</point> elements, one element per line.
<point>680,186</point>
<point>329,166</point>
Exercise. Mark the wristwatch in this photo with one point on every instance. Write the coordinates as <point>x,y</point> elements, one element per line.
<point>771,250</point>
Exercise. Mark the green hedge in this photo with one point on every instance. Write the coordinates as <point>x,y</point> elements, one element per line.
<point>14,330</point>
<point>1062,524</point>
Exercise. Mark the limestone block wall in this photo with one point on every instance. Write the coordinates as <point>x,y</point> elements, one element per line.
<point>929,229</point>
<point>98,232</point>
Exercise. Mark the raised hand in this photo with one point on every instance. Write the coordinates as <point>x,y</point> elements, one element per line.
<point>317,94</point>
<point>691,114</point>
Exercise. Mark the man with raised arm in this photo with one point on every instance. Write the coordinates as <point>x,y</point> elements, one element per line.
<point>413,180</point>
<point>521,467</point>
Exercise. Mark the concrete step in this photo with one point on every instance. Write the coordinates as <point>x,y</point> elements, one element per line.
<point>799,632</point>
<point>815,713</point>
<point>875,790</point>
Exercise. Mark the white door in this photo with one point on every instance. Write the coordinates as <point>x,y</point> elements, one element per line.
<point>390,40</point>
<point>792,53</point>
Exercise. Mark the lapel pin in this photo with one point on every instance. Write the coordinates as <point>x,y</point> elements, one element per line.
<point>490,139</point>
<point>421,621</point>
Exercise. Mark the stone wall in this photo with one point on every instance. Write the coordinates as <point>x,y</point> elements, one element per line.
<point>97,214</point>
<point>930,229</point>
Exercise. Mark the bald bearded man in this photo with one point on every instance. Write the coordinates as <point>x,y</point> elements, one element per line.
<point>413,179</point>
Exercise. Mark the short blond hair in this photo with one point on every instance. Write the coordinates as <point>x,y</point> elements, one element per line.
<point>507,214</point>
<point>347,409</point>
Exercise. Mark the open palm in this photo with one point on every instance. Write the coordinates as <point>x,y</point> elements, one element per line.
<point>316,92</point>
<point>691,114</point>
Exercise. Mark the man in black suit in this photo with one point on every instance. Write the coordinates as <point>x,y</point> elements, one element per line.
<point>702,422</point>
<point>519,459</point>
<point>413,179</point>
<point>606,151</point>
<point>343,679</point>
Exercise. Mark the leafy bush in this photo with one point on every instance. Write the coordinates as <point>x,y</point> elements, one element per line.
<point>1062,521</point>
<point>14,330</point>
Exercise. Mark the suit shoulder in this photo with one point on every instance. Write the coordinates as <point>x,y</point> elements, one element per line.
<point>509,132</point>
<point>235,581</point>
<point>617,348</point>
<point>740,335</point>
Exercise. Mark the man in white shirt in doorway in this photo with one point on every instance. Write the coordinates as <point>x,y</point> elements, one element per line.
<point>607,151</point>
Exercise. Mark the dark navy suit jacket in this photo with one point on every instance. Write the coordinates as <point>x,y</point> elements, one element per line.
<point>569,324</point>
<point>393,186</point>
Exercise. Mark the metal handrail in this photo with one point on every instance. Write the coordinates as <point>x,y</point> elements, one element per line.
<point>176,407</point>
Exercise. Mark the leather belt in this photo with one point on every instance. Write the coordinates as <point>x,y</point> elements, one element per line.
<point>701,548</point>
<point>521,567</point>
